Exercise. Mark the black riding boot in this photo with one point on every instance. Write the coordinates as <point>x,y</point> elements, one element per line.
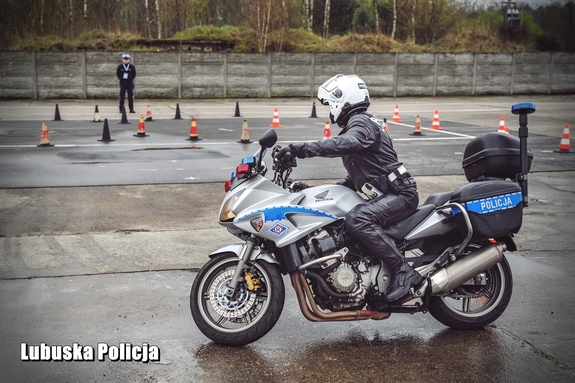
<point>404,277</point>
<point>365,222</point>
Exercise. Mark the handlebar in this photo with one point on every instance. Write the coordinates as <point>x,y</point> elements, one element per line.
<point>282,167</point>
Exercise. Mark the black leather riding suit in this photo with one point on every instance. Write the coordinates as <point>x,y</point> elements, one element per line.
<point>368,156</point>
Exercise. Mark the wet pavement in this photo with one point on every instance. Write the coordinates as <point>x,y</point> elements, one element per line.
<point>112,265</point>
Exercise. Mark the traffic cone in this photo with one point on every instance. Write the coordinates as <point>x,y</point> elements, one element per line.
<point>96,115</point>
<point>237,114</point>
<point>326,131</point>
<point>178,115</point>
<point>417,127</point>
<point>57,114</point>
<point>106,132</point>
<point>124,119</point>
<point>435,124</point>
<point>313,112</point>
<point>396,115</point>
<point>565,144</point>
<point>149,114</point>
<point>141,128</point>
<point>384,125</point>
<point>502,128</point>
<point>193,131</point>
<point>276,120</point>
<point>45,137</point>
<point>245,139</point>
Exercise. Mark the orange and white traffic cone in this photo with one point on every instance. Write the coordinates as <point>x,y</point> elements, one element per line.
<point>435,124</point>
<point>396,115</point>
<point>417,127</point>
<point>45,137</point>
<point>276,119</point>
<point>141,128</point>
<point>326,131</point>
<point>193,131</point>
<point>565,144</point>
<point>149,114</point>
<point>245,138</point>
<point>502,128</point>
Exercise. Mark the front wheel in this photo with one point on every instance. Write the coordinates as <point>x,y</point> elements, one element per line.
<point>469,306</point>
<point>244,318</point>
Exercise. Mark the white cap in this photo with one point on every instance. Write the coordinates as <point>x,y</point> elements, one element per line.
<point>126,56</point>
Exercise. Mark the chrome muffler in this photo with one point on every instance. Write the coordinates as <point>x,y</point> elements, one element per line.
<point>465,268</point>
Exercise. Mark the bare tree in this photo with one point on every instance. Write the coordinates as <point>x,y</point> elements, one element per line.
<point>258,14</point>
<point>376,15</point>
<point>159,19</point>
<point>394,20</point>
<point>326,18</point>
<point>413,21</point>
<point>308,14</point>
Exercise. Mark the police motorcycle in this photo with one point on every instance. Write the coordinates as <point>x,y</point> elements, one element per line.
<point>455,240</point>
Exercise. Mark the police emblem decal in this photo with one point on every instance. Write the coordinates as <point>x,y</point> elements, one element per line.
<point>278,229</point>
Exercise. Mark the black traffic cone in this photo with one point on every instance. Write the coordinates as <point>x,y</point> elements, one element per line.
<point>178,115</point>
<point>313,112</point>
<point>57,114</point>
<point>237,114</point>
<point>96,115</point>
<point>106,132</point>
<point>124,117</point>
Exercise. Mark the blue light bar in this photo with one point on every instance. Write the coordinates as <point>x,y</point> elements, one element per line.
<point>249,160</point>
<point>523,107</point>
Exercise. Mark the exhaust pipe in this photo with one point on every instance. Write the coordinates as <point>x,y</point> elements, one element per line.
<point>467,267</point>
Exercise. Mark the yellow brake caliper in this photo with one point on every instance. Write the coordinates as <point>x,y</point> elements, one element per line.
<point>253,283</point>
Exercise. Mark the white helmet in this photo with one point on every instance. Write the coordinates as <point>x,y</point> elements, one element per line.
<point>345,95</point>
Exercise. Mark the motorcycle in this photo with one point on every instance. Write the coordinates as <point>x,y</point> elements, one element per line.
<point>455,240</point>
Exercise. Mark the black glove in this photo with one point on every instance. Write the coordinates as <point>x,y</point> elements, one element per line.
<point>298,186</point>
<point>299,149</point>
<point>284,158</point>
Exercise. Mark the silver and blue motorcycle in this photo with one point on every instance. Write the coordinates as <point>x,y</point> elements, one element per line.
<point>455,240</point>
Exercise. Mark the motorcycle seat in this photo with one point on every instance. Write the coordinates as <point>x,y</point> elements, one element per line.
<point>438,199</point>
<point>401,229</point>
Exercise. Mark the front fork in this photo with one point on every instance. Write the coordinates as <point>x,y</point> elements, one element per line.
<point>243,257</point>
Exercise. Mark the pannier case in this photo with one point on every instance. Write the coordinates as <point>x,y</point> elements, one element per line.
<point>494,155</point>
<point>495,208</point>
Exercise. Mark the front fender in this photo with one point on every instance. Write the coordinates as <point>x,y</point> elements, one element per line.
<point>237,250</point>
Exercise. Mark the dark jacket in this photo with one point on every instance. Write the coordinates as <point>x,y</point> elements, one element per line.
<point>129,69</point>
<point>366,151</point>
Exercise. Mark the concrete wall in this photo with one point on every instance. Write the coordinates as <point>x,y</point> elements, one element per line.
<point>47,75</point>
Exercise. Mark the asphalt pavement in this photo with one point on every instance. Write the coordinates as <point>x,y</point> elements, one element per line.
<point>113,264</point>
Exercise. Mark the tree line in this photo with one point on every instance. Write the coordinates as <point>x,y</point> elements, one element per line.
<point>410,21</point>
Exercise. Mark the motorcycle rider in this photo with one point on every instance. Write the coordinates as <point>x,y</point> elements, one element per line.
<point>369,158</point>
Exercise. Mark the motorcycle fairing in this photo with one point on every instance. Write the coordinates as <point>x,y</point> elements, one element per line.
<point>280,213</point>
<point>287,217</point>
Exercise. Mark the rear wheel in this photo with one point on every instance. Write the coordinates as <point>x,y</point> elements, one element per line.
<point>472,306</point>
<point>247,316</point>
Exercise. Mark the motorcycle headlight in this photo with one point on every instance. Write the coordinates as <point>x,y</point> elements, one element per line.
<point>226,213</point>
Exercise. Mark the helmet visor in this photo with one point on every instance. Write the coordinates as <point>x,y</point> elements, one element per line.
<point>325,90</point>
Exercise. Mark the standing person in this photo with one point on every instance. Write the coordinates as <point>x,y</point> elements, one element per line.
<point>126,73</point>
<point>368,156</point>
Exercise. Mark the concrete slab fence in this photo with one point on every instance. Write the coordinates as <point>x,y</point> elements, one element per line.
<point>185,75</point>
